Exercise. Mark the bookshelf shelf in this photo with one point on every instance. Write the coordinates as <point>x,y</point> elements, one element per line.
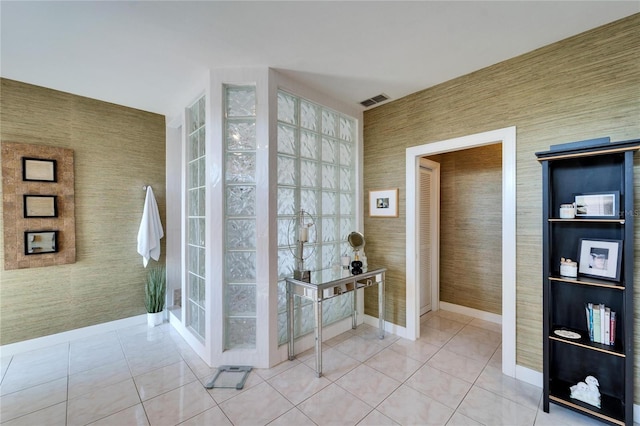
<point>587,344</point>
<point>583,304</point>
<point>587,281</point>
<point>612,409</point>
<point>611,221</point>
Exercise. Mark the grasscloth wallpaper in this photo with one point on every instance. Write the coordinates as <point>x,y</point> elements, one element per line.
<point>117,150</point>
<point>580,88</point>
<point>471,227</point>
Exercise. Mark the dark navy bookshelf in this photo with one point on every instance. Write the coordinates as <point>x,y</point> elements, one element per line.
<point>587,167</point>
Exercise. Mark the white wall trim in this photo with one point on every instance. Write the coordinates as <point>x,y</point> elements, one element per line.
<point>506,136</point>
<point>528,375</point>
<point>459,309</point>
<point>66,336</point>
<point>389,327</point>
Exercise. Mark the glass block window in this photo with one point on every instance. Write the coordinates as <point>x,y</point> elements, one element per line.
<point>316,172</point>
<point>240,217</point>
<point>196,228</point>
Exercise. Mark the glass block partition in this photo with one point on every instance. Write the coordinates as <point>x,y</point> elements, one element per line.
<point>316,172</point>
<point>196,226</point>
<point>240,217</point>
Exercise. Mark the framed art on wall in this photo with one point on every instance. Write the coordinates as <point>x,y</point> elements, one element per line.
<point>39,242</point>
<point>38,170</point>
<point>598,205</point>
<point>383,203</point>
<point>40,206</point>
<point>600,258</point>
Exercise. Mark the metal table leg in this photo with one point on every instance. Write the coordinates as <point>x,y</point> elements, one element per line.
<point>290,319</point>
<point>317,307</point>
<point>354,314</point>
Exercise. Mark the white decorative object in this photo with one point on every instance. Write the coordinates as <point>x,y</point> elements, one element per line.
<point>567,211</point>
<point>568,268</point>
<point>587,391</point>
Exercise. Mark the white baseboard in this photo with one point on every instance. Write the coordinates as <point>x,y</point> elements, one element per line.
<point>458,309</point>
<point>528,375</point>
<point>78,333</point>
<point>388,326</point>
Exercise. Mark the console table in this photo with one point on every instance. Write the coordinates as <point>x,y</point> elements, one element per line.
<point>326,284</point>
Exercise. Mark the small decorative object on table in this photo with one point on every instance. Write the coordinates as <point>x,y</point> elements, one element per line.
<point>356,241</point>
<point>587,391</point>
<point>567,211</point>
<point>568,268</point>
<point>303,224</point>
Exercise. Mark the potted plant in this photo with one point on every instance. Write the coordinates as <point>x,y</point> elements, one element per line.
<point>154,295</point>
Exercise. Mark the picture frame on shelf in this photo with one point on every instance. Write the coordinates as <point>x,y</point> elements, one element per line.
<point>40,242</point>
<point>383,203</point>
<point>603,205</point>
<point>38,170</point>
<point>40,206</point>
<point>600,258</point>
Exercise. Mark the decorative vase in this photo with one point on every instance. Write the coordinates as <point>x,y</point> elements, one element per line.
<point>154,319</point>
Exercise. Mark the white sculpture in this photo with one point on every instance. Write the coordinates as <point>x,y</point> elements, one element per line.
<point>587,391</point>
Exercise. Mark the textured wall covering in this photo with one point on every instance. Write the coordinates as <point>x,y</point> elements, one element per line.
<point>580,88</point>
<point>15,224</point>
<point>116,151</point>
<point>471,227</point>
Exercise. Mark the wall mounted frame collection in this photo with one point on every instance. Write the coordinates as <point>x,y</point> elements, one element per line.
<point>38,205</point>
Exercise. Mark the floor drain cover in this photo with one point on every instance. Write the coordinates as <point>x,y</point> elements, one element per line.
<point>230,376</point>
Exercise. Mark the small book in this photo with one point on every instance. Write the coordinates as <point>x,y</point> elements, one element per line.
<point>590,307</point>
<point>602,325</point>
<point>612,333</point>
<point>597,330</point>
<point>607,326</point>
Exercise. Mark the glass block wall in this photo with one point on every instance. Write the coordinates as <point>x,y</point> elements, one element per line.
<point>196,228</point>
<point>316,172</point>
<point>240,217</point>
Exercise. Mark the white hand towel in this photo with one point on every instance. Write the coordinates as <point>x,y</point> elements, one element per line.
<point>150,230</point>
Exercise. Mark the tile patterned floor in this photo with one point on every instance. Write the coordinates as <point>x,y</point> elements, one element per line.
<point>141,376</point>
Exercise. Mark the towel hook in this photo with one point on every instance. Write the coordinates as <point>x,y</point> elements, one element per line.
<point>144,187</point>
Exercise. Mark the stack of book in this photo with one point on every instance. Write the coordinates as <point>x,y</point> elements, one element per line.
<point>601,323</point>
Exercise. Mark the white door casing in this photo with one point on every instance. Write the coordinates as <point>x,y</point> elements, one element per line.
<point>506,136</point>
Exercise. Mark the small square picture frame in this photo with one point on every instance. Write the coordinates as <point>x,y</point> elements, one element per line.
<point>600,259</point>
<point>383,203</point>
<point>38,170</point>
<point>40,206</point>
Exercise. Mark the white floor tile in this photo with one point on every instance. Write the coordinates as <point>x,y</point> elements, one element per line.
<point>410,407</point>
<point>488,408</point>
<point>334,405</point>
<point>368,384</point>
<point>101,402</point>
<point>32,399</point>
<point>178,405</point>
<point>439,386</point>
<point>55,415</point>
<point>298,383</point>
<point>257,406</point>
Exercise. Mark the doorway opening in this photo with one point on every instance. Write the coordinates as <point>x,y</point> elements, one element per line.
<point>507,137</point>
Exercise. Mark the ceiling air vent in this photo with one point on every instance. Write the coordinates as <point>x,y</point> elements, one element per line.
<point>374,100</point>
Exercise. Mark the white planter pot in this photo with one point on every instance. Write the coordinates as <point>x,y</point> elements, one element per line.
<point>155,318</point>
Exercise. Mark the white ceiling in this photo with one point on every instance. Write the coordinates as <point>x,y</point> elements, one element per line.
<point>152,55</point>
